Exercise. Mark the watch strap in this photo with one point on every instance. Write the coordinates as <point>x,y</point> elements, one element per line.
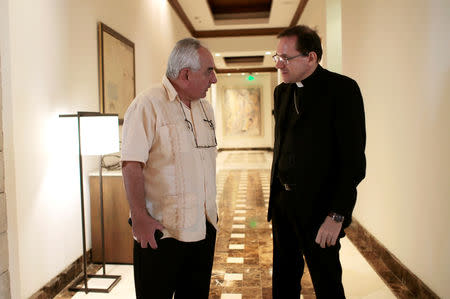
<point>336,217</point>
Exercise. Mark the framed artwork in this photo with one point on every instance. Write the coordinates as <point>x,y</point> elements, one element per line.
<point>116,71</point>
<point>241,112</point>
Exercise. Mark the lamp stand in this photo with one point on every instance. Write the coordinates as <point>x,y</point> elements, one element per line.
<point>75,287</point>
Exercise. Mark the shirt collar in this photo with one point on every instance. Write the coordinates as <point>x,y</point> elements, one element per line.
<point>311,78</point>
<point>171,92</point>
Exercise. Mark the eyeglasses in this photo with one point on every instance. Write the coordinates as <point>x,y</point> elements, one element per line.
<point>285,60</point>
<point>190,127</point>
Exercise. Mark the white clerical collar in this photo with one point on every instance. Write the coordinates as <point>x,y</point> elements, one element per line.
<point>299,84</point>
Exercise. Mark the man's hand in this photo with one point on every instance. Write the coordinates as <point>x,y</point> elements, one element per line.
<point>144,227</point>
<point>328,232</point>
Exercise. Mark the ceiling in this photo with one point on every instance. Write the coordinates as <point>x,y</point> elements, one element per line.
<point>229,20</point>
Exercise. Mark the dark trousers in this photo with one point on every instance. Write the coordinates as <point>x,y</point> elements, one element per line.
<point>290,243</point>
<point>183,268</point>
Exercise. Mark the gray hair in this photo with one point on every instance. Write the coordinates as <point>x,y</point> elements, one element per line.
<point>184,55</point>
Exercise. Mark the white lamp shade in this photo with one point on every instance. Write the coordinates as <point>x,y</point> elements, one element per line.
<point>99,134</point>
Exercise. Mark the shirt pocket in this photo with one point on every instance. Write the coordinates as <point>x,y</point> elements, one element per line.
<point>179,211</point>
<point>176,137</point>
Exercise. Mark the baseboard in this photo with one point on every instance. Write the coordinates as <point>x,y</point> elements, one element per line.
<point>57,284</point>
<point>397,276</point>
<point>269,149</point>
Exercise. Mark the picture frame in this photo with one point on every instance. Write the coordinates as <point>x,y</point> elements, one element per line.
<point>241,112</point>
<point>116,59</point>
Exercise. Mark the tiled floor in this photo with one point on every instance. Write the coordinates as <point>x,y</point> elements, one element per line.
<point>243,258</point>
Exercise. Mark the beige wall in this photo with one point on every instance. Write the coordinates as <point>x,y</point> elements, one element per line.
<point>334,35</point>
<point>49,67</point>
<point>398,51</point>
<point>4,265</point>
<point>241,43</point>
<point>315,16</point>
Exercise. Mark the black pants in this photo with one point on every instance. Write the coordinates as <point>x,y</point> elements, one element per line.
<point>183,268</point>
<point>290,243</point>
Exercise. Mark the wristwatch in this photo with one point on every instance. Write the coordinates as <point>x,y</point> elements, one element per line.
<point>336,217</point>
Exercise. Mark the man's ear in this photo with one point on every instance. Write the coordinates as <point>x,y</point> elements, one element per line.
<point>312,57</point>
<point>184,74</point>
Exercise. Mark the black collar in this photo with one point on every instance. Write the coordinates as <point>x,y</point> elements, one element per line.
<point>314,76</point>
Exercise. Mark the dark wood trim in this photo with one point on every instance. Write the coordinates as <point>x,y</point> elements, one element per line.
<point>238,32</point>
<point>242,16</point>
<point>388,267</point>
<point>247,70</point>
<point>239,6</point>
<point>229,60</point>
<point>232,32</point>
<point>268,149</point>
<point>298,13</point>
<point>57,284</point>
<point>101,74</point>
<point>116,34</point>
<point>180,12</point>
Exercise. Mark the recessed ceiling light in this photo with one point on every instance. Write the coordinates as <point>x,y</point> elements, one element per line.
<point>217,54</point>
<point>242,74</point>
<point>268,53</point>
<point>228,74</point>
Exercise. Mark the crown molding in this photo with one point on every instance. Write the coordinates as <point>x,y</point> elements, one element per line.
<point>247,70</point>
<point>234,32</point>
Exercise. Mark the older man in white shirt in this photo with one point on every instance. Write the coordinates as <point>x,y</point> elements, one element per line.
<point>168,165</point>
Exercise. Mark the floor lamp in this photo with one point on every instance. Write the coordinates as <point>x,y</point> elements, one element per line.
<point>98,134</point>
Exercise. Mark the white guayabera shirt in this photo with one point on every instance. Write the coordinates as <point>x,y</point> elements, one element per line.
<point>178,147</point>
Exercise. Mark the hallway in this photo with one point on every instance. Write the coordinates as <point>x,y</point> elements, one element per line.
<point>243,257</point>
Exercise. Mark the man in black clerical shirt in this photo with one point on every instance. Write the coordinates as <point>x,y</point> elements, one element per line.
<point>318,162</point>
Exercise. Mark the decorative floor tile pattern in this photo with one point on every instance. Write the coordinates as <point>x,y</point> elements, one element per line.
<point>236,246</point>
<point>231,276</point>
<point>252,186</point>
<point>256,251</point>
<point>243,266</point>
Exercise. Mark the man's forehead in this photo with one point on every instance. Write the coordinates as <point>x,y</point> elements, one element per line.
<point>207,59</point>
<point>202,51</point>
<point>287,44</point>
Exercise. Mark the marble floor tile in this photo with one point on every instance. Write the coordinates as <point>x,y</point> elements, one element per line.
<point>243,256</point>
<point>233,276</point>
<point>238,226</point>
<point>236,247</point>
<point>238,236</point>
<point>124,289</point>
<point>235,260</point>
